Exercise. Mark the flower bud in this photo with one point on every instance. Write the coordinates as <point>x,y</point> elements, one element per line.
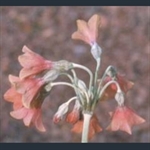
<point>96,51</point>
<point>62,110</point>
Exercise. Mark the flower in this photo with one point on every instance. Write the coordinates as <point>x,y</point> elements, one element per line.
<point>32,63</point>
<point>87,31</point>
<point>73,116</point>
<point>94,127</point>
<point>29,116</point>
<point>32,115</point>
<point>123,119</point>
<point>29,88</point>
<point>111,90</point>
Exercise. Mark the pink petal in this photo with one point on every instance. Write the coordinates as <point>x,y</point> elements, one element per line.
<point>26,72</point>
<point>13,79</point>
<point>11,95</point>
<point>94,24</point>
<point>17,104</point>
<point>30,94</point>
<point>38,122</point>
<point>31,59</point>
<point>28,118</point>
<point>79,36</point>
<point>19,114</point>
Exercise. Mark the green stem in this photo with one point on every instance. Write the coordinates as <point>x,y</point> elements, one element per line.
<point>62,83</point>
<point>96,71</point>
<point>104,75</point>
<point>85,130</point>
<point>106,85</point>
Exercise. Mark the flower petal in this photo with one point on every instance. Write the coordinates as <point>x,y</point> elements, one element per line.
<point>19,114</point>
<point>94,24</point>
<point>28,118</point>
<point>38,122</point>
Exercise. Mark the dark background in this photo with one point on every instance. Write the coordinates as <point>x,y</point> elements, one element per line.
<point>47,31</point>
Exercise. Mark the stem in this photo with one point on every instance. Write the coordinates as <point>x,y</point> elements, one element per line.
<point>104,75</point>
<point>85,130</point>
<point>74,74</point>
<point>87,70</point>
<point>75,82</point>
<point>107,84</point>
<point>62,83</point>
<point>68,75</point>
<point>96,71</point>
<point>71,99</point>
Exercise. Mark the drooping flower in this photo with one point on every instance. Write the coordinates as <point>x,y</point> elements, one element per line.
<point>94,127</point>
<point>32,115</point>
<point>123,119</point>
<point>111,90</point>
<point>32,63</point>
<point>29,88</point>
<point>62,110</point>
<point>74,115</point>
<point>87,31</point>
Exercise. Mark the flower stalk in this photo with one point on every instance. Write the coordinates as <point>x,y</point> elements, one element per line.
<point>86,123</point>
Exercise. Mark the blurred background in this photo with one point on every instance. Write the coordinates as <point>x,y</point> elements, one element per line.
<point>47,30</point>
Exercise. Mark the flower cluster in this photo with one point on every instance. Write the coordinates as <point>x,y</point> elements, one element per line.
<point>29,90</point>
<point>37,77</point>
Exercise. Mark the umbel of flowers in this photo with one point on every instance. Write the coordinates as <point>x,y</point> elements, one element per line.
<point>37,78</point>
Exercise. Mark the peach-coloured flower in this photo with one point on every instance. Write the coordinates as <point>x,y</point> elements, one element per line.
<point>32,63</point>
<point>123,119</point>
<point>94,127</point>
<point>111,90</point>
<point>29,88</point>
<point>73,116</point>
<point>87,31</point>
<point>30,117</point>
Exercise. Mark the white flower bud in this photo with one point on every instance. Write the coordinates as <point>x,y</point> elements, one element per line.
<point>62,110</point>
<point>96,51</point>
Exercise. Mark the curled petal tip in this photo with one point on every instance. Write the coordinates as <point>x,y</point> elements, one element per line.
<point>25,48</point>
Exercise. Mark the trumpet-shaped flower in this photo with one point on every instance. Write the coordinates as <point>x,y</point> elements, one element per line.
<point>74,115</point>
<point>32,115</point>
<point>32,63</point>
<point>87,31</point>
<point>123,119</point>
